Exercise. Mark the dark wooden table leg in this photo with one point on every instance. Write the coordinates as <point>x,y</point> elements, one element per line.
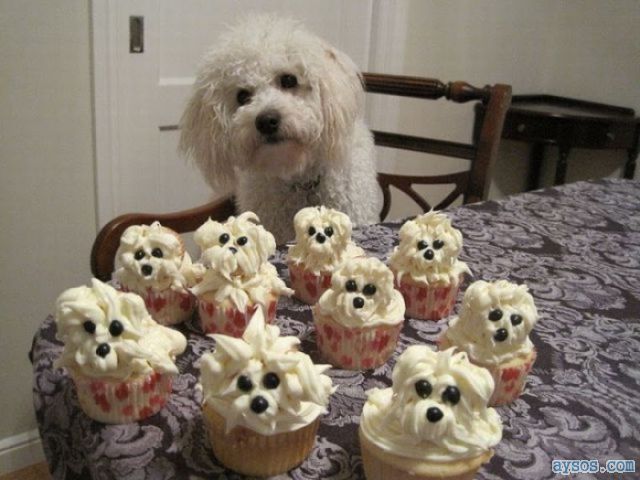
<point>536,157</point>
<point>561,168</point>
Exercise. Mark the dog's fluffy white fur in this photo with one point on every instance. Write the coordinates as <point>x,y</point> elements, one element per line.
<point>313,147</point>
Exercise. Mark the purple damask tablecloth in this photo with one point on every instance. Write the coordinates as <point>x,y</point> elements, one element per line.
<point>577,247</point>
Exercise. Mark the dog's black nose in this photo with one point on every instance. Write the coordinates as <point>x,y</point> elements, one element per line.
<point>358,302</point>
<point>428,254</point>
<point>103,350</point>
<point>233,249</point>
<point>268,122</point>
<point>434,414</point>
<point>259,404</point>
<point>320,238</point>
<point>146,270</point>
<point>501,335</point>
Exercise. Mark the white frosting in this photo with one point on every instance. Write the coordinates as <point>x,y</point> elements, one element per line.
<point>441,239</point>
<point>85,319</point>
<point>302,392</point>
<point>473,331</point>
<point>395,419</point>
<point>384,307</point>
<point>153,256</point>
<point>323,239</point>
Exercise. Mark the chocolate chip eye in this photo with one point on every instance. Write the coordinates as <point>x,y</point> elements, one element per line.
<point>139,255</point>
<point>89,327</point>
<point>242,241</point>
<point>451,395</point>
<point>288,81</point>
<point>328,231</point>
<point>116,328</point>
<point>351,286</point>
<point>438,244</point>
<point>311,231</point>
<point>244,383</point>
<point>495,315</point>
<point>224,238</point>
<point>423,388</point>
<point>422,245</point>
<point>369,289</point>
<point>516,319</point>
<point>243,97</point>
<point>156,252</point>
<point>271,381</point>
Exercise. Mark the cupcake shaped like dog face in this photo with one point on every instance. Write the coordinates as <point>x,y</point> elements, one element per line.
<point>262,382</point>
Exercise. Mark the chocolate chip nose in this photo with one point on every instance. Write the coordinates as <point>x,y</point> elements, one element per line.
<point>501,335</point>
<point>259,404</point>
<point>428,254</point>
<point>103,350</point>
<point>358,302</point>
<point>233,250</point>
<point>268,122</point>
<point>434,414</point>
<point>320,238</point>
<point>146,270</point>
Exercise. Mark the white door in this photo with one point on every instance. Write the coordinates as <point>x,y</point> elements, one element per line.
<point>139,97</point>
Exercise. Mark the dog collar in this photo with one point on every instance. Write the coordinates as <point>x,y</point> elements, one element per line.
<point>310,187</point>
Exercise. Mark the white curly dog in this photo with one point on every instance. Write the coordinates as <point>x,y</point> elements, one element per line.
<point>276,118</point>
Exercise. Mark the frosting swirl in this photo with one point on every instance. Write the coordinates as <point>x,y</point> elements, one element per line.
<point>107,333</point>
<point>362,294</point>
<point>262,382</point>
<point>494,323</point>
<point>436,409</point>
<point>428,251</point>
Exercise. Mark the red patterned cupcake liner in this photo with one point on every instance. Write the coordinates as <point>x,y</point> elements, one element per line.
<point>510,379</point>
<point>114,401</point>
<point>226,319</point>
<point>425,302</point>
<point>308,286</point>
<point>168,307</point>
<point>355,348</point>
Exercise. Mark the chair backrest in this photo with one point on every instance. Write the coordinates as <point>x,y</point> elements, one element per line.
<point>471,184</point>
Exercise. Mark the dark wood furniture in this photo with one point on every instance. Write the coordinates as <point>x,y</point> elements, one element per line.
<point>471,184</point>
<point>569,123</point>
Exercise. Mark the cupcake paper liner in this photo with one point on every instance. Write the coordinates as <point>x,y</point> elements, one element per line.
<point>425,302</point>
<point>355,348</point>
<point>251,453</point>
<point>510,379</point>
<point>167,307</point>
<point>308,286</point>
<point>225,318</point>
<point>115,401</point>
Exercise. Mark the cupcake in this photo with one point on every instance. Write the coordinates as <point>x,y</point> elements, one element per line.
<point>433,423</point>
<point>262,400</point>
<point>493,328</point>
<point>120,359</point>
<point>359,318</point>
<point>238,277</point>
<point>426,266</point>
<point>152,262</point>
<point>323,241</point>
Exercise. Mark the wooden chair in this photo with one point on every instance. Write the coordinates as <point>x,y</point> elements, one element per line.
<point>472,184</point>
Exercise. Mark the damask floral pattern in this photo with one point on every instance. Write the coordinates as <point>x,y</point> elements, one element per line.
<point>577,247</point>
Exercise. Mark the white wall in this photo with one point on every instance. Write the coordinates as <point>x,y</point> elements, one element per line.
<point>47,213</point>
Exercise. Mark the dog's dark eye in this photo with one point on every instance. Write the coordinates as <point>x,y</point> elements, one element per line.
<point>422,245</point>
<point>270,381</point>
<point>351,286</point>
<point>288,81</point>
<point>423,388</point>
<point>328,231</point>
<point>224,238</point>
<point>311,231</point>
<point>244,383</point>
<point>156,252</point>
<point>242,241</point>
<point>516,319</point>
<point>495,315</point>
<point>369,289</point>
<point>438,244</point>
<point>116,328</point>
<point>89,327</point>
<point>451,395</point>
<point>243,97</point>
<point>139,255</point>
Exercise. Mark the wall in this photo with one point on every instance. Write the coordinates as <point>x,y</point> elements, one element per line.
<point>47,219</point>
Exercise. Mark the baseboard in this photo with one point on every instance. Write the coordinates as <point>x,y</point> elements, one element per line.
<point>20,451</point>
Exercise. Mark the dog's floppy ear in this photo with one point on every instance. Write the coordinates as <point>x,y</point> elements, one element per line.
<point>201,135</point>
<point>342,96</point>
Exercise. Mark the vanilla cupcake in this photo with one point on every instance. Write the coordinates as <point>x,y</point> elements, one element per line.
<point>262,400</point>
<point>323,241</point>
<point>493,328</point>
<point>152,262</point>
<point>359,318</point>
<point>426,266</point>
<point>121,360</point>
<point>433,423</point>
<point>238,277</point>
